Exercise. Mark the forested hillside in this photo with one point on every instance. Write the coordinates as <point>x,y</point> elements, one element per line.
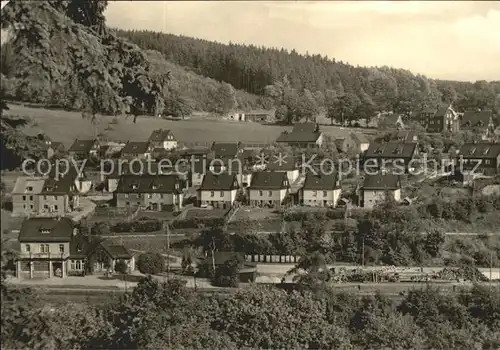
<point>58,56</point>
<point>316,78</point>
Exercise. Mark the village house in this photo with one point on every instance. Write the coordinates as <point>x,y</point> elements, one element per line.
<point>53,148</point>
<point>377,188</point>
<point>394,121</point>
<point>162,139</point>
<point>226,150</point>
<point>361,141</point>
<point>391,155</point>
<point>84,149</point>
<point>269,188</point>
<point>437,120</point>
<point>321,190</point>
<point>51,247</point>
<point>284,163</point>
<point>152,192</point>
<point>344,144</point>
<point>106,255</point>
<point>482,158</point>
<point>218,191</point>
<point>478,121</point>
<point>25,196</point>
<point>303,135</point>
<point>137,150</point>
<point>260,116</point>
<point>405,136</point>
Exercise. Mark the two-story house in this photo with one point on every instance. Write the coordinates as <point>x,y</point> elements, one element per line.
<point>480,158</point>
<point>218,191</point>
<point>162,139</point>
<point>478,121</point>
<point>391,155</point>
<point>269,188</point>
<point>361,141</point>
<point>321,190</point>
<point>303,135</point>
<point>284,163</point>
<point>377,187</point>
<point>137,150</point>
<point>84,149</point>
<point>153,192</point>
<point>437,120</point>
<point>25,196</point>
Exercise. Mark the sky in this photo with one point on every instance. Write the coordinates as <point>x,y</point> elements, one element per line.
<point>455,40</point>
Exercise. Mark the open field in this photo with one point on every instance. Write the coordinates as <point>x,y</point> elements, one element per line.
<point>65,127</point>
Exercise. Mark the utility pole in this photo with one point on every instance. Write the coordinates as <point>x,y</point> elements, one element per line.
<point>168,252</point>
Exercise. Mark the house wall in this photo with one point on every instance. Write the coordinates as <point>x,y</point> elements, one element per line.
<point>227,196</point>
<point>196,179</point>
<point>112,184</point>
<point>276,195</point>
<point>364,146</point>
<point>170,144</point>
<point>320,140</point>
<point>26,206</point>
<point>83,186</point>
<point>372,197</point>
<point>149,200</point>
<point>35,248</point>
<point>332,197</point>
<point>55,204</point>
<point>292,175</point>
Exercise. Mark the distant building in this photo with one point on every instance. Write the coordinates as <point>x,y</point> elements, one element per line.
<point>53,148</point>
<point>321,190</point>
<point>481,122</point>
<point>391,154</point>
<point>405,136</point>
<point>361,141</point>
<point>162,139</point>
<point>260,116</point>
<point>137,150</point>
<point>479,157</point>
<point>84,149</point>
<point>152,192</point>
<point>284,163</point>
<point>269,188</point>
<point>437,120</point>
<point>376,188</point>
<point>218,191</point>
<point>226,150</point>
<point>303,135</point>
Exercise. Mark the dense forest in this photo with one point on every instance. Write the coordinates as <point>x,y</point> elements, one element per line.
<point>261,71</point>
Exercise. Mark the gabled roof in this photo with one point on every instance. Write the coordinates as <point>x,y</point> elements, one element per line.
<point>28,185</point>
<point>282,162</point>
<point>136,147</point>
<point>225,149</point>
<point>479,150</point>
<point>269,180</point>
<point>404,135</point>
<point>46,230</point>
<point>473,119</point>
<point>320,181</point>
<point>222,182</point>
<point>148,184</point>
<point>160,135</point>
<point>54,145</point>
<point>391,150</point>
<point>187,153</point>
<point>382,182</point>
<point>359,138</point>
<point>305,127</point>
<point>82,146</point>
<point>116,251</point>
<point>298,136</point>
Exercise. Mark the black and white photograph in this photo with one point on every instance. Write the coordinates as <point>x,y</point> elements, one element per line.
<point>250,175</point>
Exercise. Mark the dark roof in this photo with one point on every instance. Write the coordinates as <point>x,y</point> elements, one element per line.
<point>55,145</point>
<point>225,149</point>
<point>224,181</point>
<point>359,138</point>
<point>132,147</point>
<point>382,182</point>
<point>298,136</point>
<point>269,180</point>
<point>320,181</point>
<point>53,187</point>
<point>441,111</point>
<point>116,251</point>
<point>391,150</point>
<point>82,146</point>
<point>285,162</point>
<point>187,153</point>
<point>404,135</point>
<point>305,127</point>
<point>46,230</point>
<point>479,150</point>
<point>476,119</point>
<point>160,135</point>
<point>148,184</point>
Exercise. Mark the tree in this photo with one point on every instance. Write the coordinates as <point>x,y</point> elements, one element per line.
<point>227,274</point>
<point>121,267</point>
<point>343,108</point>
<point>433,242</point>
<point>151,263</point>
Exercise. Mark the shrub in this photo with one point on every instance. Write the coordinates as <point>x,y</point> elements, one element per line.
<point>151,263</point>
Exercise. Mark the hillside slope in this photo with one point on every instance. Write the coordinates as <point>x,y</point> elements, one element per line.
<point>53,60</point>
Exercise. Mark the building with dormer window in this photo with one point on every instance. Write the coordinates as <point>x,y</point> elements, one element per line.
<point>269,188</point>
<point>218,191</point>
<point>163,139</point>
<point>482,158</point>
<point>391,154</point>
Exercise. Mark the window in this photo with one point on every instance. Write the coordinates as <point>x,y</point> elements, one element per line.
<point>31,198</point>
<point>487,161</point>
<point>55,198</point>
<point>31,206</point>
<point>270,193</point>
<point>28,248</point>
<point>127,203</point>
<point>24,198</point>
<point>260,193</point>
<point>150,196</point>
<point>315,193</point>
<point>55,207</point>
<point>212,193</point>
<point>161,195</point>
<point>45,198</point>
<point>73,265</point>
<point>324,194</point>
<point>29,188</point>
<point>126,195</point>
<point>61,248</point>
<point>44,248</point>
<point>222,193</point>
<point>24,206</point>
<point>78,265</point>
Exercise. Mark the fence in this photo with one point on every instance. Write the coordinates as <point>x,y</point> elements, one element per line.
<point>278,259</point>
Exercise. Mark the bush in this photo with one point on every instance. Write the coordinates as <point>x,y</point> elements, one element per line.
<point>121,267</point>
<point>151,263</point>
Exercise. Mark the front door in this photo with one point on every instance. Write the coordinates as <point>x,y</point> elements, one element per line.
<point>57,269</point>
